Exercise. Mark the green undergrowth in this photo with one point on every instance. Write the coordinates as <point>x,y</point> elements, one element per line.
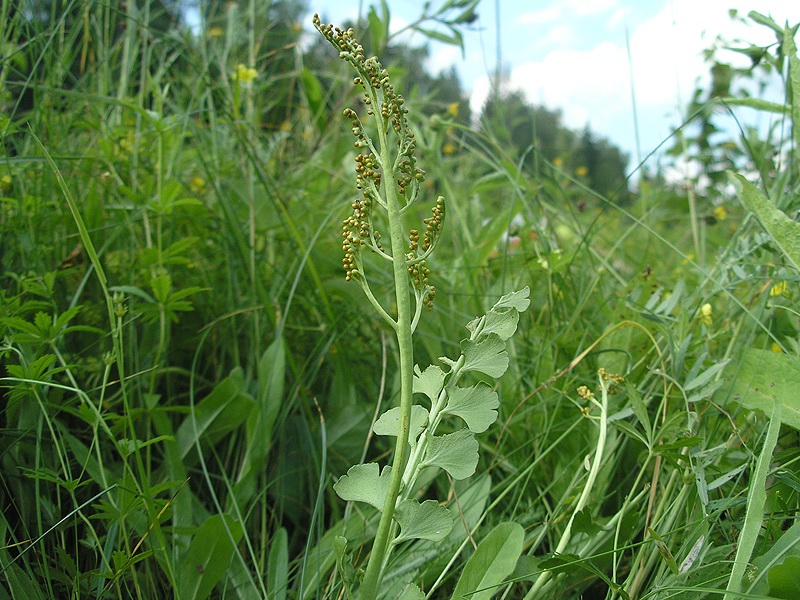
<point>186,373</point>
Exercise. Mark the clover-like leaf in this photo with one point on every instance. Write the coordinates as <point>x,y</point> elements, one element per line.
<point>456,453</point>
<point>476,405</point>
<point>429,382</point>
<point>427,521</point>
<point>363,484</point>
<point>518,300</point>
<point>389,422</point>
<point>487,355</point>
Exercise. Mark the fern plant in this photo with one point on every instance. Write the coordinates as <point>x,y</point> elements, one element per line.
<point>388,180</point>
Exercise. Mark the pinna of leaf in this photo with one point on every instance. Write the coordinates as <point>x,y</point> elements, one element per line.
<point>388,180</point>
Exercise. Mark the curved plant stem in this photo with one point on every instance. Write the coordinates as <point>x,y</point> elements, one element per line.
<point>597,462</point>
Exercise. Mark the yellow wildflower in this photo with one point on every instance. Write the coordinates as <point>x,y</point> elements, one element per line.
<point>215,32</point>
<point>197,185</point>
<point>779,289</point>
<point>776,347</point>
<point>558,161</point>
<point>721,213</point>
<point>581,171</point>
<point>448,149</point>
<point>705,314</point>
<point>244,74</point>
<point>452,109</point>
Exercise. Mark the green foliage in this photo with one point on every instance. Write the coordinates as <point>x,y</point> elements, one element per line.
<point>494,559</point>
<point>185,372</point>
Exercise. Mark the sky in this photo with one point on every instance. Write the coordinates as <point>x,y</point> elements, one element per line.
<point>592,59</point>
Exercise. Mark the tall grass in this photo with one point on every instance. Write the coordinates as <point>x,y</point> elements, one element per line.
<point>185,370</point>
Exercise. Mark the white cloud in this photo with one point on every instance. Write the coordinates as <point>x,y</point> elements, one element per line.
<point>442,58</point>
<point>538,17</point>
<point>584,85</point>
<point>557,36</point>
<point>666,59</point>
<point>591,7</point>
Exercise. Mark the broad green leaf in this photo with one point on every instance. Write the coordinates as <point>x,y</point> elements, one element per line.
<point>572,564</point>
<point>315,96</point>
<point>209,556</point>
<point>639,409</point>
<point>726,477</point>
<point>583,523</point>
<point>790,50</point>
<point>491,235</point>
<point>705,376</point>
<point>452,40</point>
<point>222,411</point>
<point>502,321</point>
<point>766,21</point>
<point>762,375</point>
<point>378,27</point>
<point>21,585</point>
<point>784,579</point>
<point>518,300</point>
<point>271,375</point>
<point>411,592</point>
<point>344,563</point>
<point>389,422</point>
<point>487,355</point>
<point>788,545</point>
<point>161,286</point>
<point>781,228</point>
<point>456,453</point>
<point>429,382</point>
<point>494,559</point>
<point>427,521</point>
<point>363,484</point>
<point>477,405</point>
<point>278,569</point>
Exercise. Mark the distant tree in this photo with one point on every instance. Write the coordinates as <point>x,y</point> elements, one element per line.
<point>605,167</point>
<point>538,133</point>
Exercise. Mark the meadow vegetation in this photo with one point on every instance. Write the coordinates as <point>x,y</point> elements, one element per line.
<point>188,379</point>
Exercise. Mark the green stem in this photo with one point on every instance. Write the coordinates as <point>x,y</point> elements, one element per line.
<point>372,577</point>
<point>756,499</point>
<point>587,489</point>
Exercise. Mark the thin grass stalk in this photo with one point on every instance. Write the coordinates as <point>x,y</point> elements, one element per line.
<point>756,500</point>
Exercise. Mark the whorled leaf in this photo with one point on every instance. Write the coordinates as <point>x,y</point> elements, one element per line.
<point>456,453</point>
<point>389,422</point>
<point>363,483</point>
<point>427,521</point>
<point>429,382</point>
<point>487,355</point>
<point>477,405</point>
